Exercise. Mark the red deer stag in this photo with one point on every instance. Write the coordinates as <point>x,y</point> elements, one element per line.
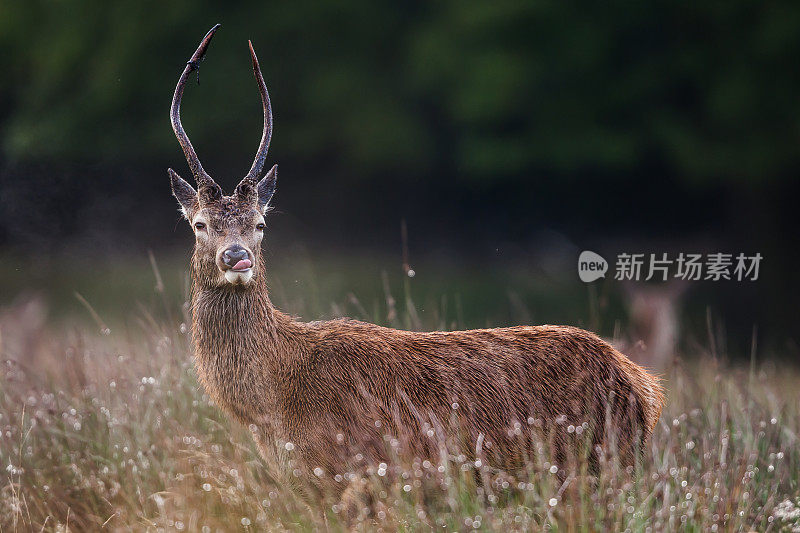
<point>314,392</point>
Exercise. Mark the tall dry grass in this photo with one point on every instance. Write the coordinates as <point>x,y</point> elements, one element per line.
<point>108,429</point>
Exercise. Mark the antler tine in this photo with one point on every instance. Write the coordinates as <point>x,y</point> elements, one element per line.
<point>200,175</point>
<point>266,136</point>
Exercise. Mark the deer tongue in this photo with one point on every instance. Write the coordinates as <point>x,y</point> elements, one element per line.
<point>244,264</point>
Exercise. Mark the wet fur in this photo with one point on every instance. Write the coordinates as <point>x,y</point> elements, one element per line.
<point>322,385</point>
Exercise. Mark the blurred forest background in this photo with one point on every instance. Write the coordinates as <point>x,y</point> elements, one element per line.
<point>508,135</point>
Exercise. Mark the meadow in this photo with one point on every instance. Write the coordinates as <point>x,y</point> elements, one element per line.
<point>103,426</point>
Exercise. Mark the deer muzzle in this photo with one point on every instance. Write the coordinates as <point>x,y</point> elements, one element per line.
<point>236,263</point>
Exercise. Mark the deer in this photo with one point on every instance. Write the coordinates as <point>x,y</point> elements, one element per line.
<point>654,328</point>
<point>316,394</point>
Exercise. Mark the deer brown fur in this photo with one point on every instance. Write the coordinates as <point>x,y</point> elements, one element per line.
<point>317,393</point>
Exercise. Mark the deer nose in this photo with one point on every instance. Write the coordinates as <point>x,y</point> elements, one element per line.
<point>236,258</point>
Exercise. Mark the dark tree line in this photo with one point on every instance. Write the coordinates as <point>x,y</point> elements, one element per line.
<point>483,90</point>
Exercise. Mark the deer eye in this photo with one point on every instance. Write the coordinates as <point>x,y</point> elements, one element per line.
<point>200,225</point>
<point>260,226</point>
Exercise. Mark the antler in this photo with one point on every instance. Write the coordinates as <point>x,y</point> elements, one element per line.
<point>200,175</point>
<point>247,186</point>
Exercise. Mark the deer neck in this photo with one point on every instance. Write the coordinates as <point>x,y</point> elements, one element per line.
<point>230,318</point>
<point>241,344</point>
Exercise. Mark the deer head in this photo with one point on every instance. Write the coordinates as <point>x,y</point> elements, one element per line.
<point>228,229</point>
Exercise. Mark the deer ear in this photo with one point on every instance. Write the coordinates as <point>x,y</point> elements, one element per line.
<point>266,188</point>
<point>184,193</point>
